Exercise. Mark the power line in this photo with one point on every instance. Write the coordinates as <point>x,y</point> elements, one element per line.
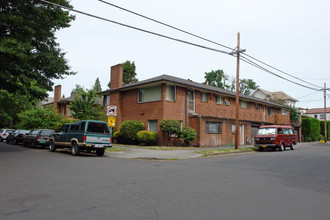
<point>189,33</point>
<point>316,79</point>
<point>179,40</point>
<point>135,28</point>
<point>307,95</point>
<point>167,25</point>
<point>282,71</point>
<point>244,59</point>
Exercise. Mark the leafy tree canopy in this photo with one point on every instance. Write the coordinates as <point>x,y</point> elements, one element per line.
<point>10,105</point>
<point>38,117</point>
<point>29,53</point>
<point>85,105</point>
<point>219,79</point>
<point>246,86</point>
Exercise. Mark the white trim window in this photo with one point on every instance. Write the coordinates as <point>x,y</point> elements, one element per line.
<point>269,111</point>
<point>213,127</point>
<point>191,97</point>
<point>285,112</point>
<point>170,93</point>
<point>244,104</point>
<point>149,94</point>
<point>220,100</point>
<point>203,97</point>
<point>153,125</point>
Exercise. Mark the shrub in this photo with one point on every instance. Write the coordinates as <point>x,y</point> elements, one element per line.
<point>128,131</point>
<point>42,118</point>
<point>171,127</point>
<point>147,137</point>
<point>188,134</point>
<point>116,136</point>
<point>322,128</point>
<point>310,129</point>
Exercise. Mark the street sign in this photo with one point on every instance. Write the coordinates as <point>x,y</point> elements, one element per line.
<point>112,110</point>
<point>112,121</point>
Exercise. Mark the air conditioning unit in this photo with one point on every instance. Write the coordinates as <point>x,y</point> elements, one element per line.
<point>227,103</point>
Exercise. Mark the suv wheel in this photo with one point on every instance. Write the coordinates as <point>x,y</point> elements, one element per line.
<point>292,146</point>
<point>261,149</point>
<point>75,149</point>
<point>281,147</point>
<point>100,152</point>
<point>33,145</point>
<point>52,146</point>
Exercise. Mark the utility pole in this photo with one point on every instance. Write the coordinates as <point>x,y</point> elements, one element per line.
<point>237,127</point>
<point>325,114</point>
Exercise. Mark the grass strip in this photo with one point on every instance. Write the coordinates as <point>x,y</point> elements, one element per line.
<point>206,153</point>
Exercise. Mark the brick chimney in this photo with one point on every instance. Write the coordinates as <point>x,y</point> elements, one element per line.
<point>57,95</point>
<point>116,76</point>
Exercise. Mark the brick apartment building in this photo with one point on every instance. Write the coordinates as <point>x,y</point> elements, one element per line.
<point>209,110</point>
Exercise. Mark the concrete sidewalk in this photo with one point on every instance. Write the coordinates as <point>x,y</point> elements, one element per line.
<point>146,154</point>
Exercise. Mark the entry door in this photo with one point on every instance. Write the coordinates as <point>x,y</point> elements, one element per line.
<point>242,135</point>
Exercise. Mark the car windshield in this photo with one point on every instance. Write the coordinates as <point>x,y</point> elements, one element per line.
<point>264,131</point>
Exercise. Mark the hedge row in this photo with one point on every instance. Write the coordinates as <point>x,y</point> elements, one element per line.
<point>311,129</point>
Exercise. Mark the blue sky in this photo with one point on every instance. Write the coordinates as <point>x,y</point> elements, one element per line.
<point>290,35</point>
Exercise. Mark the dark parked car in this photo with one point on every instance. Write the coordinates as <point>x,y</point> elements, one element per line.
<point>17,136</point>
<point>38,137</point>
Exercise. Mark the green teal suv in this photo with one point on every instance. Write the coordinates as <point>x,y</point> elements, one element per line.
<point>87,135</point>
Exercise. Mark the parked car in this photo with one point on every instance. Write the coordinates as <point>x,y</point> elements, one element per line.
<point>4,133</point>
<point>38,137</point>
<point>87,135</point>
<point>275,136</point>
<point>17,136</point>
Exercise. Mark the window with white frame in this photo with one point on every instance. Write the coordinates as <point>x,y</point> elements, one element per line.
<point>170,93</point>
<point>256,106</point>
<point>220,100</point>
<point>153,125</point>
<point>107,100</point>
<point>321,116</point>
<point>213,127</point>
<point>285,112</point>
<point>203,97</point>
<point>270,111</point>
<point>191,97</point>
<point>276,111</point>
<point>244,104</point>
<point>149,94</point>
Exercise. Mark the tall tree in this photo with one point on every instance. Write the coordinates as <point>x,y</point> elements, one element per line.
<point>246,86</point>
<point>97,85</point>
<point>217,78</point>
<point>85,105</point>
<point>129,74</point>
<point>29,53</point>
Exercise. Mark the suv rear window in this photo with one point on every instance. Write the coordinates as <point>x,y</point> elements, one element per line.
<point>95,127</point>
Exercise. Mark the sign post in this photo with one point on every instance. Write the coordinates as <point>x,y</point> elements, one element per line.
<point>112,113</point>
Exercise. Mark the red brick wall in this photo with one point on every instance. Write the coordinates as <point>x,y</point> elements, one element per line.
<point>130,109</point>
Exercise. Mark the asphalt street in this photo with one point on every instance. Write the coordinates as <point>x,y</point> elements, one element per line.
<point>38,184</point>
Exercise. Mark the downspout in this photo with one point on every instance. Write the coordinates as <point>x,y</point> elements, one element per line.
<point>186,113</point>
